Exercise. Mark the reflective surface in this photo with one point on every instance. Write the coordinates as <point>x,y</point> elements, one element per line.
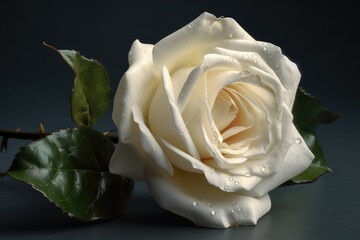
<point>35,85</point>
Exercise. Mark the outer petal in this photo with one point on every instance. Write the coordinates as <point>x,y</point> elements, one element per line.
<point>189,195</point>
<point>296,160</point>
<point>186,45</point>
<point>139,74</point>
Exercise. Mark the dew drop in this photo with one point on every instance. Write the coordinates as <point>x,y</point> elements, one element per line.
<point>123,115</point>
<point>289,163</point>
<point>247,174</point>
<point>236,183</point>
<point>230,35</point>
<point>213,212</point>
<point>205,21</point>
<point>189,26</point>
<point>226,187</point>
<point>255,43</point>
<point>231,179</point>
<point>264,170</point>
<point>241,202</point>
<point>265,49</point>
<point>298,140</point>
<point>245,215</point>
<point>181,133</point>
<point>239,210</point>
<point>213,170</point>
<point>214,133</point>
<point>256,61</point>
<point>153,150</point>
<point>233,211</point>
<point>232,59</point>
<point>277,66</point>
<point>195,204</point>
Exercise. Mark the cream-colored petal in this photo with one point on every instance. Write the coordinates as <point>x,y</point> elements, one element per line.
<point>265,57</point>
<point>165,119</point>
<point>139,74</point>
<point>149,143</point>
<point>185,47</point>
<point>127,161</point>
<point>189,195</point>
<point>296,160</point>
<point>215,177</point>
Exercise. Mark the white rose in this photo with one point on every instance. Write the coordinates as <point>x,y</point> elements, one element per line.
<point>204,117</point>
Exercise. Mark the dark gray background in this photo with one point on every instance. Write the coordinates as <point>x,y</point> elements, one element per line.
<point>35,84</point>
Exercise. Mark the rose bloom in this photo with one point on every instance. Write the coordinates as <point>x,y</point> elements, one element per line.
<point>204,117</point>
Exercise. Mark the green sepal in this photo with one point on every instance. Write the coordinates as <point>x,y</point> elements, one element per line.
<point>70,168</point>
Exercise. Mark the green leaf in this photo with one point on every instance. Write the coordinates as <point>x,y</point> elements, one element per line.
<point>70,168</point>
<point>308,113</point>
<point>91,94</point>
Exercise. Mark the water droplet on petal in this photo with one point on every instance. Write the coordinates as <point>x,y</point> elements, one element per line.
<point>195,204</point>
<point>232,59</point>
<point>230,35</point>
<point>226,187</point>
<point>236,183</point>
<point>298,140</point>
<point>213,212</point>
<point>247,174</point>
<point>205,21</point>
<point>181,133</point>
<point>213,170</point>
<point>231,179</point>
<point>256,61</point>
<point>153,150</point>
<point>233,211</point>
<point>189,26</point>
<point>265,49</point>
<point>239,210</point>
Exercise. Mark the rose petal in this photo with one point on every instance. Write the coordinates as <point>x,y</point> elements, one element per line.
<point>217,178</point>
<point>296,160</point>
<point>186,45</point>
<point>149,143</point>
<point>165,112</point>
<point>189,195</point>
<point>139,74</point>
<point>266,57</point>
<point>127,161</point>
